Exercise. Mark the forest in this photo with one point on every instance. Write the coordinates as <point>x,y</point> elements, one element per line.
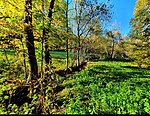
<point>66,57</point>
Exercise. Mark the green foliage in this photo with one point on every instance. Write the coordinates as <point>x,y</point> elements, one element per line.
<point>18,97</point>
<point>109,88</point>
<point>12,77</point>
<point>140,41</point>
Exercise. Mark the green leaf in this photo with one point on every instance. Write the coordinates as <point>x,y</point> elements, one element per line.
<point>146,104</point>
<point>147,110</point>
<point>6,97</point>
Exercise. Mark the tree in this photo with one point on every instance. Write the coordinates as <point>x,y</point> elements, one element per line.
<point>30,40</point>
<point>47,55</point>
<point>48,61</point>
<point>91,44</point>
<point>111,35</point>
<point>67,30</point>
<point>114,38</point>
<point>140,42</point>
<point>121,46</point>
<point>85,12</point>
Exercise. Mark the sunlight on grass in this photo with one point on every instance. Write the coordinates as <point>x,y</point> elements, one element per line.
<point>109,88</point>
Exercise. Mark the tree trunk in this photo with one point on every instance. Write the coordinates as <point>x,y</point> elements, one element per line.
<point>78,49</point>
<point>113,47</point>
<point>43,36</point>
<point>47,54</point>
<point>67,54</point>
<point>33,74</point>
<point>24,59</point>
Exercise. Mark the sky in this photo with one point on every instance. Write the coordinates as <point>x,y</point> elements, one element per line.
<point>123,12</point>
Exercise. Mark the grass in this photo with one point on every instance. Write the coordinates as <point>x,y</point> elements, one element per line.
<point>58,57</point>
<point>107,88</point>
<point>59,54</point>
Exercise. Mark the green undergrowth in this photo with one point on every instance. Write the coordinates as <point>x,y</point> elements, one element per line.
<point>107,88</point>
<point>17,96</point>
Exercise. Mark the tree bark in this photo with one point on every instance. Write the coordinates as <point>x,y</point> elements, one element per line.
<point>67,54</point>
<point>78,33</point>
<point>47,54</point>
<point>33,74</point>
<point>43,35</point>
<point>24,59</point>
<point>78,49</point>
<point>113,48</point>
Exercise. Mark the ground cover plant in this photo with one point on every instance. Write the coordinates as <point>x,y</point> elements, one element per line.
<point>108,88</point>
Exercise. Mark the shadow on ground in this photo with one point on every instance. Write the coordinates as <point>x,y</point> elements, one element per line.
<point>111,73</point>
